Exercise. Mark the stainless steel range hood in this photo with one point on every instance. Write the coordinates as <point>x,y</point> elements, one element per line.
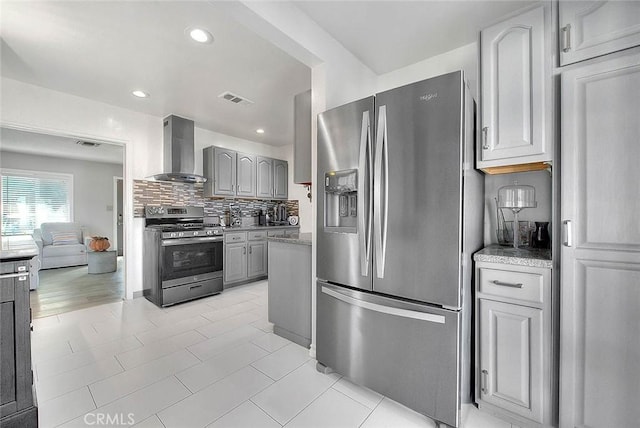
<point>178,153</point>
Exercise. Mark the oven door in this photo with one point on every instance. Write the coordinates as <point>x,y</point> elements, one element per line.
<point>189,260</point>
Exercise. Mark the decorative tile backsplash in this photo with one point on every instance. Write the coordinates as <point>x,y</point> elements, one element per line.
<point>158,193</point>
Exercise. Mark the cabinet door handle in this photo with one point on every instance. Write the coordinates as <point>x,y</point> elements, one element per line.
<point>244,250</point>
<point>483,381</point>
<point>507,284</point>
<point>568,233</point>
<point>250,250</point>
<point>485,131</point>
<point>566,38</point>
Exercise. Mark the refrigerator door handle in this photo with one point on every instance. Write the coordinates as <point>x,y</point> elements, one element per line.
<point>381,188</point>
<point>364,192</point>
<point>404,313</point>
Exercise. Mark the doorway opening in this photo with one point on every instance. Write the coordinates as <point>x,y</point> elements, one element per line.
<point>64,192</point>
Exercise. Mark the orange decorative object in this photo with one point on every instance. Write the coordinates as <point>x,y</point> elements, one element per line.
<point>99,243</point>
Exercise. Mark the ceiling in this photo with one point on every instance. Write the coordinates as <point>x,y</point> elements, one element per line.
<point>12,140</point>
<point>103,50</point>
<point>387,35</point>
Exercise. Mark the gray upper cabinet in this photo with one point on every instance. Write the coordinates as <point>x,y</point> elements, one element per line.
<point>246,175</point>
<point>220,169</point>
<point>231,173</point>
<point>302,138</point>
<point>280,179</point>
<point>515,78</point>
<point>265,177</point>
<point>593,28</point>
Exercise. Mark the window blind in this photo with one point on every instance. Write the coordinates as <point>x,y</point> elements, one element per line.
<point>31,198</point>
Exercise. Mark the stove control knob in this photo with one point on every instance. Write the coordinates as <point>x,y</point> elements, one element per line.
<point>209,232</point>
<point>196,233</point>
<point>181,234</point>
<point>173,235</point>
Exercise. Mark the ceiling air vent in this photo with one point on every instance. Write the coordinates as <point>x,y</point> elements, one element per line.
<point>87,143</point>
<point>236,99</point>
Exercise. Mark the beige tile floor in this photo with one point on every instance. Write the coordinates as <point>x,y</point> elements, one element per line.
<point>214,362</point>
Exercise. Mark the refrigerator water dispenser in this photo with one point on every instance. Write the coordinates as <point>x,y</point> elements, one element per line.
<point>341,201</point>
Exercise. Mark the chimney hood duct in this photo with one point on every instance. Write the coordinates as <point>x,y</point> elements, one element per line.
<point>178,155</point>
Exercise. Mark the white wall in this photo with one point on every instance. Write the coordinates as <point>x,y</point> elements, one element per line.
<point>464,58</point>
<point>92,187</point>
<point>28,107</point>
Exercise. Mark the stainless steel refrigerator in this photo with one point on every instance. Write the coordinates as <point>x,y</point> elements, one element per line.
<point>399,216</point>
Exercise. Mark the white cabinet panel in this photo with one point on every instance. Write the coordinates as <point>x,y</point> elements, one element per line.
<point>515,91</point>
<point>600,344</point>
<point>265,177</point>
<point>280,179</point>
<point>511,355</point>
<point>593,28</point>
<point>235,262</point>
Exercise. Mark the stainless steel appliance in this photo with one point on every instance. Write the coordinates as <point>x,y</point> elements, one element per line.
<point>183,259</point>
<point>178,154</point>
<point>399,216</point>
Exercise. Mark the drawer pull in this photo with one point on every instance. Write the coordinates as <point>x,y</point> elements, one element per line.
<point>22,268</point>
<point>507,284</point>
<point>195,286</point>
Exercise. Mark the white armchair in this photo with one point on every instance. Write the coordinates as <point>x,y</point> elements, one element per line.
<point>60,245</point>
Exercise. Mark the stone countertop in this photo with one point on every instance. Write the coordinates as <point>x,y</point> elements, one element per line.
<point>17,248</point>
<point>245,228</point>
<point>534,257</point>
<point>294,238</point>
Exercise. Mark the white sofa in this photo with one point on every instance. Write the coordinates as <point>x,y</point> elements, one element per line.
<point>55,252</point>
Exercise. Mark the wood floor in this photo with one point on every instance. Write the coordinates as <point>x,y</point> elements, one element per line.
<point>68,289</point>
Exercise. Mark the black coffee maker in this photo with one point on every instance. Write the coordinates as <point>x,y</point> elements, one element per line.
<point>540,236</point>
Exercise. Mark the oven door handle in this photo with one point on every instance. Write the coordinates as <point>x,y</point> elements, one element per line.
<point>183,241</point>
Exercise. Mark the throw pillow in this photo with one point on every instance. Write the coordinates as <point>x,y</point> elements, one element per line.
<point>64,238</point>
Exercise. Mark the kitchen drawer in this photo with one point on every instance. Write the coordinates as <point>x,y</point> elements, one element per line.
<point>235,237</point>
<point>257,235</point>
<point>525,286</point>
<point>14,267</point>
<point>182,293</point>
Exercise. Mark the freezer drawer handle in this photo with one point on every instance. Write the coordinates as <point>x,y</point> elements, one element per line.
<point>385,309</point>
<point>483,381</point>
<point>568,232</point>
<point>507,284</point>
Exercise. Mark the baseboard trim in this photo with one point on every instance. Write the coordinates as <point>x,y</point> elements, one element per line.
<point>137,294</point>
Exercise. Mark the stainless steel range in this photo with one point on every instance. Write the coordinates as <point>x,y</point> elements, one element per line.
<point>183,257</point>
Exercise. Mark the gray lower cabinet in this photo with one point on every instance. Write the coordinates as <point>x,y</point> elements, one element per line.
<point>257,261</point>
<point>290,291</point>
<point>17,407</point>
<point>245,256</point>
<point>514,343</point>
<point>235,262</point>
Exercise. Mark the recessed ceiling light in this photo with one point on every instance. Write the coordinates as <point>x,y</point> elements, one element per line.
<point>260,131</point>
<point>199,35</point>
<point>140,94</point>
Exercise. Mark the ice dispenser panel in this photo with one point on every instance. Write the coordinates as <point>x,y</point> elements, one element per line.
<point>341,201</point>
